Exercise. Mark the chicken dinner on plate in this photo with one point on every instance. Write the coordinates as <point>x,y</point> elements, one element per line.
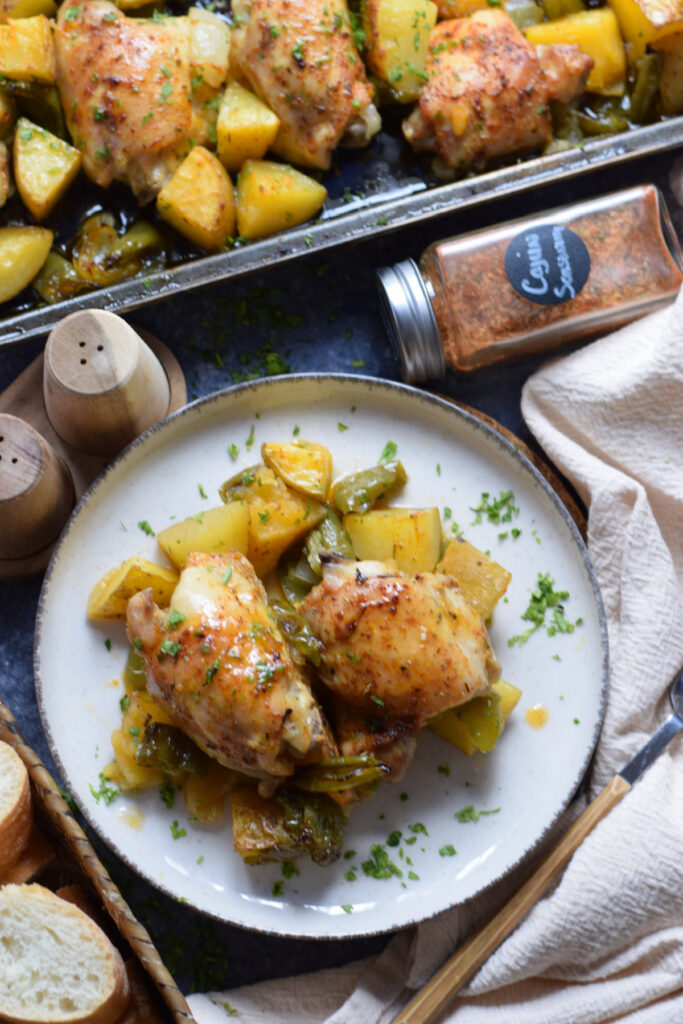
<point>304,634</point>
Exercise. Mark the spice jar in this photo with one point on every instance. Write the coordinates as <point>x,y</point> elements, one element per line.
<point>531,284</point>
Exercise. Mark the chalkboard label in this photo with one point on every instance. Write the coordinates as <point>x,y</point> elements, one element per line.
<point>547,265</point>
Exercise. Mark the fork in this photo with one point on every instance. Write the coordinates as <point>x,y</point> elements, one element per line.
<point>432,1000</point>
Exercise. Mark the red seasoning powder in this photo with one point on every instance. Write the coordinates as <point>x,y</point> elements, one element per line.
<point>530,285</point>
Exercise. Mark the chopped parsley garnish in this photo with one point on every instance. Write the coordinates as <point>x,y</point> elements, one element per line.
<point>167,793</point>
<point>145,527</point>
<point>228,575</point>
<point>447,851</point>
<point>418,827</point>
<point>72,13</point>
<point>470,813</point>
<point>289,869</point>
<point>496,510</point>
<point>444,769</point>
<point>347,908</point>
<point>296,432</point>
<point>298,53</point>
<point>377,700</point>
<point>105,792</point>
<point>137,643</point>
<point>176,831</point>
<point>147,118</point>
<point>278,888</point>
<point>233,451</point>
<point>381,865</point>
<point>124,703</point>
<point>202,492</point>
<point>351,875</point>
<point>341,427</point>
<point>211,671</point>
<point>107,643</point>
<point>394,838</point>
<point>388,452</point>
<point>166,91</point>
<point>250,440</point>
<point>170,647</point>
<point>349,854</point>
<point>134,731</point>
<point>545,599</point>
<point>174,619</point>
<point>103,154</point>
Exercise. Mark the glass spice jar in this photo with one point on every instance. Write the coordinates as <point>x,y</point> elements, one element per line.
<point>531,284</point>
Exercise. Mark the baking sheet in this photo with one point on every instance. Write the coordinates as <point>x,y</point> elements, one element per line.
<point>391,199</point>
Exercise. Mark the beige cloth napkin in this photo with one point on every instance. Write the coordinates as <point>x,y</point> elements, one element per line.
<point>606,944</point>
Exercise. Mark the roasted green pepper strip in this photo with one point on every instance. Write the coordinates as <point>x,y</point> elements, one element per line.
<point>134,677</point>
<point>334,774</point>
<point>298,632</point>
<point>167,748</point>
<point>328,538</point>
<point>561,8</point>
<point>297,578</point>
<point>605,121</point>
<point>358,492</point>
<point>645,86</point>
<point>236,487</point>
<point>58,280</point>
<point>524,12</point>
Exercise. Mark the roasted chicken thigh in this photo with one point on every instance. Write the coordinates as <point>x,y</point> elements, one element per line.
<point>218,662</point>
<point>488,90</point>
<point>125,88</point>
<point>397,649</point>
<point>299,56</point>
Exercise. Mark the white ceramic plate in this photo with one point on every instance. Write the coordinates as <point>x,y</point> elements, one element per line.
<point>451,458</point>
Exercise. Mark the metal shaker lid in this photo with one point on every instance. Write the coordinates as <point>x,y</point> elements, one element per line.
<point>410,321</point>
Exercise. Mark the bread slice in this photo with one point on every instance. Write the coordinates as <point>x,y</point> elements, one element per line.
<point>34,860</point>
<point>15,807</point>
<point>56,965</point>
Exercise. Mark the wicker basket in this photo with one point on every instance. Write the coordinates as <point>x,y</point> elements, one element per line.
<point>81,864</point>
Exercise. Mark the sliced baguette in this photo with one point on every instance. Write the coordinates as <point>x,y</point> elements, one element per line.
<point>15,807</point>
<point>56,965</point>
<point>36,857</point>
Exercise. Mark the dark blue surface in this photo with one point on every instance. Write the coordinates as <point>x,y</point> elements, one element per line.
<point>314,315</point>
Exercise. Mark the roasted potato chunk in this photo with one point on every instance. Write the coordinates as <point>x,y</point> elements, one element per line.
<point>303,465</point>
<point>26,8</point>
<point>109,597</point>
<point>44,167</point>
<point>481,580</point>
<point>595,32</point>
<point>246,127</point>
<point>27,52</point>
<point>23,250</point>
<point>212,531</point>
<point>272,197</point>
<point>199,201</point>
<point>278,516</point>
<point>410,537</point>
<point>397,34</point>
<point>478,724</point>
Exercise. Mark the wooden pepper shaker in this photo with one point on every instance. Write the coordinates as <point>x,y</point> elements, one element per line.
<point>36,492</point>
<point>102,385</point>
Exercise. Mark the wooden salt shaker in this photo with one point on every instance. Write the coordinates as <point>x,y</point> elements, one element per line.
<point>36,492</point>
<point>102,385</point>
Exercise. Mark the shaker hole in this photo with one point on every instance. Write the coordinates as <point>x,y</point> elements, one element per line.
<point>83,362</point>
<point>81,344</point>
<point>100,348</point>
<point>15,460</point>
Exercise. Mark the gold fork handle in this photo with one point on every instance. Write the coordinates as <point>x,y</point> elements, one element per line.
<point>432,1000</point>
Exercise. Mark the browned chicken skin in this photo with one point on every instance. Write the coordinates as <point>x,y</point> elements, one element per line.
<point>300,57</point>
<point>218,662</point>
<point>397,649</point>
<point>488,90</point>
<point>124,84</point>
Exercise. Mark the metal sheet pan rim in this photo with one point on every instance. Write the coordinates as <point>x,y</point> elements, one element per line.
<point>375,218</point>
